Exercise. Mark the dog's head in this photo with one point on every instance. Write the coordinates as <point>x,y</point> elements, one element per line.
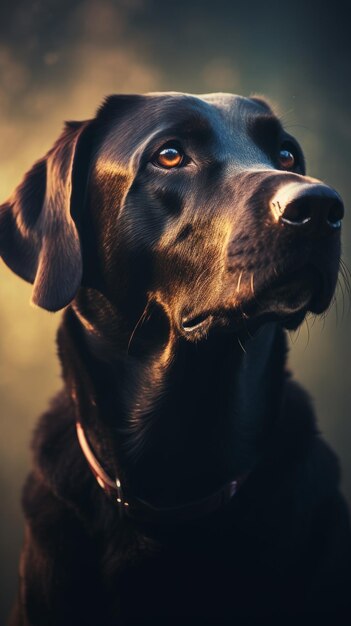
<point>199,205</point>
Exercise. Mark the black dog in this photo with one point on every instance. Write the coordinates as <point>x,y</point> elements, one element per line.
<point>182,235</point>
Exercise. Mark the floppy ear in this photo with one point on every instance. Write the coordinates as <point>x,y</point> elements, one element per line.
<point>39,237</point>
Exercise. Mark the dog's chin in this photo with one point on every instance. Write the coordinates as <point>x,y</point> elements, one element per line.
<point>286,300</point>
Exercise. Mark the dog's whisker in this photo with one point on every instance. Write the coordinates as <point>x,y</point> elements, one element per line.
<point>239,281</point>
<point>140,322</point>
<point>285,116</point>
<point>343,298</point>
<point>345,276</point>
<point>291,337</point>
<point>345,272</point>
<point>324,315</point>
<point>241,345</point>
<point>252,284</point>
<point>335,302</point>
<point>314,318</point>
<point>308,334</point>
<point>297,126</point>
<point>341,288</point>
<point>298,332</point>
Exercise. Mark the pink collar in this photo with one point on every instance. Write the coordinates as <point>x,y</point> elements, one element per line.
<point>144,511</point>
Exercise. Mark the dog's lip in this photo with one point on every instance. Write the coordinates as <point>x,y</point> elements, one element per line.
<point>308,288</point>
<point>291,289</point>
<point>286,297</point>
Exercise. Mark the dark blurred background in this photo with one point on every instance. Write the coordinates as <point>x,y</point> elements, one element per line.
<point>58,58</point>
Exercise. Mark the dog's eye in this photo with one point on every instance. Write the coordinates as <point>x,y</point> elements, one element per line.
<point>169,156</point>
<point>286,159</point>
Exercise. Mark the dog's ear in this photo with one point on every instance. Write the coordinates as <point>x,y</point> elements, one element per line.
<point>39,237</point>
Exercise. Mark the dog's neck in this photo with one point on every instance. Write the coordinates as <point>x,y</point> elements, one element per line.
<point>186,419</point>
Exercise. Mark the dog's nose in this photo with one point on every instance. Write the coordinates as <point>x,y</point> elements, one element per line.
<point>312,206</point>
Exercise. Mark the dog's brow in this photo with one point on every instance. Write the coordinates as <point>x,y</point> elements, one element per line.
<point>191,130</point>
<point>266,122</point>
<point>195,127</point>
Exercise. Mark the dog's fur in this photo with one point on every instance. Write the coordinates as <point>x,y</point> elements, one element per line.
<point>178,284</point>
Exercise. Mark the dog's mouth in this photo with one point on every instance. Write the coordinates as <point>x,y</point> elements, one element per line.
<point>198,323</point>
<point>286,298</point>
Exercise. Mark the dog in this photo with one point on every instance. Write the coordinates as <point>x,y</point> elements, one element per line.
<point>179,476</point>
